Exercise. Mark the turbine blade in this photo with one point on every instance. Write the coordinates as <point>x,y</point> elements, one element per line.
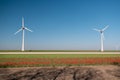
<point>18,31</point>
<point>105,28</point>
<point>97,30</point>
<point>22,22</point>
<point>28,29</point>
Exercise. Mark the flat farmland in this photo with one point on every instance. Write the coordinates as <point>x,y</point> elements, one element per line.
<point>33,59</point>
<point>59,65</point>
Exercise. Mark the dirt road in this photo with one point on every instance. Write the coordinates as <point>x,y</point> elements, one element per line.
<point>59,52</point>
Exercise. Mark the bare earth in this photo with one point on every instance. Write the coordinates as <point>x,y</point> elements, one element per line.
<point>100,72</point>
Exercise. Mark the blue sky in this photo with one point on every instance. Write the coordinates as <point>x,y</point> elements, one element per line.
<point>59,24</point>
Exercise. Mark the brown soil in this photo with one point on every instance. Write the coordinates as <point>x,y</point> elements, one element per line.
<point>106,72</point>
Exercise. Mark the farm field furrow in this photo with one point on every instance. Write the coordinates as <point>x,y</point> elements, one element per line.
<point>32,60</point>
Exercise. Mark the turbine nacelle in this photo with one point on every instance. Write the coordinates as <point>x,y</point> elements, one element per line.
<point>101,31</point>
<point>23,28</point>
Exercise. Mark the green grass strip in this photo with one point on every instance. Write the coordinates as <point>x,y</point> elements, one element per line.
<point>57,55</point>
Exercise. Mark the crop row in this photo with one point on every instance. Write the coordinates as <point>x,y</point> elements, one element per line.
<point>14,62</point>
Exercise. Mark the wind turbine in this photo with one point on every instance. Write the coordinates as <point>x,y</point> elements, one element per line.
<point>102,36</point>
<point>23,28</point>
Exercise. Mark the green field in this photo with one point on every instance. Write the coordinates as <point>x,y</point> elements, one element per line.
<point>33,60</point>
<point>57,55</point>
<point>59,51</point>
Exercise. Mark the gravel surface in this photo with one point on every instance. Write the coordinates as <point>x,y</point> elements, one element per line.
<point>59,52</point>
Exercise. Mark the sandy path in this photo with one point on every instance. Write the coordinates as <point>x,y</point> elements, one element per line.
<point>59,52</point>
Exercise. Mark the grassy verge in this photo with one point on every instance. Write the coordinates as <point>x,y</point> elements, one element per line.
<point>57,55</point>
<point>59,51</point>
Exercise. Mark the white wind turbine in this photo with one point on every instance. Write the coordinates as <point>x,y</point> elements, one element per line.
<point>102,36</point>
<point>23,28</point>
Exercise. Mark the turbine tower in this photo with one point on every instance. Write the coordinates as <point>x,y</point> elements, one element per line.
<point>23,28</point>
<point>102,36</point>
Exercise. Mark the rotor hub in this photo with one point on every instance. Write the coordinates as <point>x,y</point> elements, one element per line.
<point>101,31</point>
<point>23,28</point>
